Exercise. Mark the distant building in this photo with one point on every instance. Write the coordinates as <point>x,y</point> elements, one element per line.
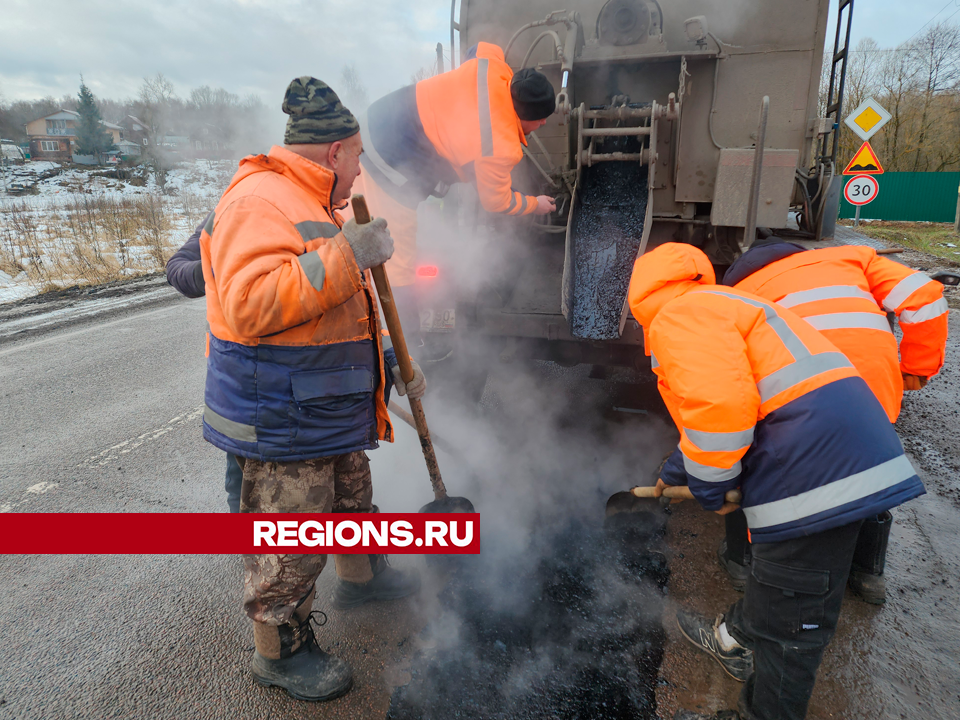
<point>116,131</point>
<point>53,137</point>
<point>135,131</point>
<point>208,142</point>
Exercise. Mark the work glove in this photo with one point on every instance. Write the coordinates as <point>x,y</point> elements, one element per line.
<point>416,387</point>
<point>914,382</point>
<point>371,243</point>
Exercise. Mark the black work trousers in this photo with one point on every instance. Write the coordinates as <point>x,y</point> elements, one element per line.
<point>787,616</point>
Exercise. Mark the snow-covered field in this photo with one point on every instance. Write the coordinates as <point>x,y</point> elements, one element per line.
<point>80,227</point>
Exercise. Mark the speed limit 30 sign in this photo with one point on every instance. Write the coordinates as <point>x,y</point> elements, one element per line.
<point>861,189</point>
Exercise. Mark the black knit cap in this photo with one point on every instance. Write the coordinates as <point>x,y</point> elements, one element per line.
<point>533,96</point>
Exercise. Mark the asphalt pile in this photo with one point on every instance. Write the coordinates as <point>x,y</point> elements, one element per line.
<point>605,238</point>
<point>580,637</point>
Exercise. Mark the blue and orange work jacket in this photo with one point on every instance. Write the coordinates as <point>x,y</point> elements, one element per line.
<point>295,365</point>
<point>845,293</point>
<point>764,403</point>
<point>459,126</point>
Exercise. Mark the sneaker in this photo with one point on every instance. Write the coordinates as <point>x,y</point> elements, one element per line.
<point>738,573</point>
<point>387,584</point>
<point>871,588</point>
<point>699,630</point>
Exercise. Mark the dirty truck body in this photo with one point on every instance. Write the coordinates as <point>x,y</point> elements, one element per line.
<point>653,142</point>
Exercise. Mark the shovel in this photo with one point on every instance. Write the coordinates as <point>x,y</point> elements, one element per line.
<point>442,502</point>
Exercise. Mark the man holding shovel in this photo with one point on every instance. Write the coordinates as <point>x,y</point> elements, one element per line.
<point>766,404</point>
<point>297,376</point>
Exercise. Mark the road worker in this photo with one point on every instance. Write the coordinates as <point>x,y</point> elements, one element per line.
<point>767,404</point>
<point>297,377</point>
<point>185,274</point>
<point>465,125</point>
<point>845,292</point>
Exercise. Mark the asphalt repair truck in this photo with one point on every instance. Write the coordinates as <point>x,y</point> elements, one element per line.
<point>660,104</point>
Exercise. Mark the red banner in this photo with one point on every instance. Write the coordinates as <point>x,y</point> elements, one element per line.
<point>224,533</point>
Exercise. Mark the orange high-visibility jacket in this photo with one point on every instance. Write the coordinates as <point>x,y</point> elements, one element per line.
<point>763,402</point>
<point>295,365</point>
<point>844,293</point>
<point>460,125</point>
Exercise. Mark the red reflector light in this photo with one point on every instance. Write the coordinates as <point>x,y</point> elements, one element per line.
<point>427,271</point>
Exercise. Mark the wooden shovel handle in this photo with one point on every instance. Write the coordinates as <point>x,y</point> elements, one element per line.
<point>362,216</point>
<point>682,492</point>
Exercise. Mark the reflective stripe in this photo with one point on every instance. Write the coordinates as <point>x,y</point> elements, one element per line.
<point>373,156</point>
<point>851,321</point>
<point>208,225</point>
<point>787,336</point>
<point>832,292</point>
<point>523,204</point>
<point>720,441</point>
<point>313,229</point>
<point>708,473</point>
<point>483,105</point>
<point>927,312</point>
<point>513,201</point>
<point>833,495</point>
<point>904,289</point>
<point>654,363</point>
<point>796,372</point>
<point>313,268</point>
<point>230,428</point>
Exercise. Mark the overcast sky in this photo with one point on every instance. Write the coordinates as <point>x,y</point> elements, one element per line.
<point>258,46</point>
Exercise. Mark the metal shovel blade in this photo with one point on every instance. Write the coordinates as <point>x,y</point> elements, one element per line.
<point>449,504</point>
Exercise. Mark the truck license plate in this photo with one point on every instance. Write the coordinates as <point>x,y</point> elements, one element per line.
<point>437,320</point>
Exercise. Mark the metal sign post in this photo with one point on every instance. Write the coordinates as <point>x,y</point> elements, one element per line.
<point>860,190</point>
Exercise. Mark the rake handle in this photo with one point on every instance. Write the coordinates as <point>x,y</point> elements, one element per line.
<point>682,492</point>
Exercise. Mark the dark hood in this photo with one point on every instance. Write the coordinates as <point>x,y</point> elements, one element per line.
<point>761,254</point>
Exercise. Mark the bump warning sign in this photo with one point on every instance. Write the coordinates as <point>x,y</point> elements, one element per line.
<point>865,162</point>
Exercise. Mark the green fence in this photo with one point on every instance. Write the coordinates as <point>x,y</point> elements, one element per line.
<point>910,197</point>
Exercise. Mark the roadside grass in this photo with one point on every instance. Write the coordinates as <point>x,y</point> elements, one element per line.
<point>938,239</point>
<point>93,239</point>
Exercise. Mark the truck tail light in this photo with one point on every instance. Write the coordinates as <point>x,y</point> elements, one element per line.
<point>427,271</point>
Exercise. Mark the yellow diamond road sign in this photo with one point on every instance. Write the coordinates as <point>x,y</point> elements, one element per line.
<point>867,119</point>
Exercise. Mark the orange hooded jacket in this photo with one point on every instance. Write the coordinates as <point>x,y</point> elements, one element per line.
<point>763,402</point>
<point>295,361</point>
<point>845,292</point>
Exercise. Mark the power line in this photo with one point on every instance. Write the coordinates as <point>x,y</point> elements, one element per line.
<point>949,3</point>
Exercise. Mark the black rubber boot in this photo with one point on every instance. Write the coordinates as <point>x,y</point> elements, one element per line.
<point>388,583</point>
<point>302,669</point>
<point>738,573</point>
<point>705,634</point>
<point>870,559</point>
<point>719,715</point>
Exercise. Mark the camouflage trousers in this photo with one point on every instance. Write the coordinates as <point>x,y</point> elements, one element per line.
<point>273,585</point>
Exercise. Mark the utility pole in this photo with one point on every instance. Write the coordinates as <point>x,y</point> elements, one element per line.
<point>439,58</point>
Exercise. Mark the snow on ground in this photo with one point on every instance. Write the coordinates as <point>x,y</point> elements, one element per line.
<point>191,190</point>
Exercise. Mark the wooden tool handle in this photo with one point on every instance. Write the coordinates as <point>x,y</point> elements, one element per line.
<point>362,216</point>
<point>682,492</point>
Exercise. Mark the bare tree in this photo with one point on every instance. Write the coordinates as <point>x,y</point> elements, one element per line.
<point>937,57</point>
<point>352,90</point>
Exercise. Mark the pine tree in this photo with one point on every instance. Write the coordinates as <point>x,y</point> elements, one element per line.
<point>92,136</point>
